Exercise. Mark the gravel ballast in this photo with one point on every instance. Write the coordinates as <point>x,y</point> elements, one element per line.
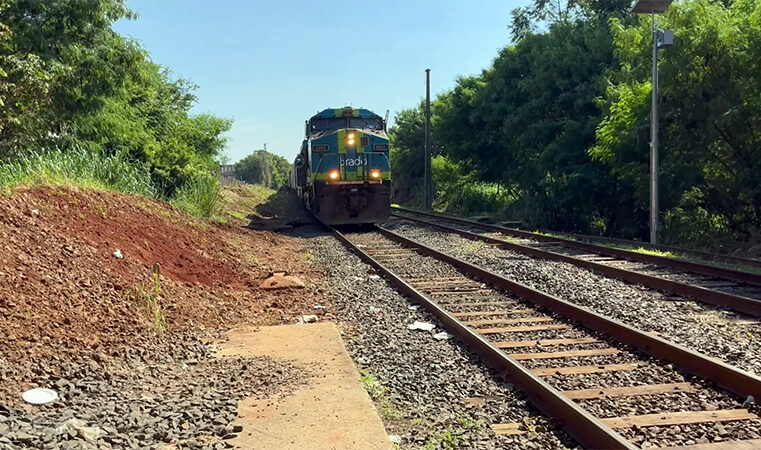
<point>428,392</point>
<point>173,395</point>
<point>712,331</point>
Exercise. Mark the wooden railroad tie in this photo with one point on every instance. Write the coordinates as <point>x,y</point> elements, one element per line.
<point>651,420</point>
<point>492,313</point>
<point>558,326</point>
<point>545,342</point>
<point>575,370</point>
<point>566,354</point>
<point>476,323</point>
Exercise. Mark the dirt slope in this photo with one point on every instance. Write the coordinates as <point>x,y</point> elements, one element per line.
<point>63,292</point>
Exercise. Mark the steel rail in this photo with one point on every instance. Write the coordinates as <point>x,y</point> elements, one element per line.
<point>730,378</point>
<point>706,256</point>
<point>577,422</point>
<point>735,275</point>
<point>735,302</point>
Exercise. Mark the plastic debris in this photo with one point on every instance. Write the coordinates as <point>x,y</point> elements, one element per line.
<point>374,277</point>
<point>443,336</point>
<point>395,439</point>
<point>118,254</point>
<point>749,401</point>
<point>423,326</point>
<point>413,307</point>
<point>319,307</point>
<point>39,396</point>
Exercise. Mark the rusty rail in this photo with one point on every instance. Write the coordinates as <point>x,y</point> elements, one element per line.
<point>580,424</point>
<point>736,302</point>
<point>754,279</point>
<point>728,377</point>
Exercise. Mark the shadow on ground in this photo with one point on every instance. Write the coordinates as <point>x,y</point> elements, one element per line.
<point>281,213</point>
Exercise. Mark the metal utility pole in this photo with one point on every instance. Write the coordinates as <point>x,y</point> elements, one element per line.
<point>654,140</point>
<point>428,182</point>
<point>661,39</point>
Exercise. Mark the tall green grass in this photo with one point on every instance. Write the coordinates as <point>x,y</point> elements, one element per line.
<point>199,197</point>
<point>78,168</point>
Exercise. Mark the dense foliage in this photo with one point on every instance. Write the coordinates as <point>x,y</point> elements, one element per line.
<point>556,131</point>
<point>265,168</point>
<point>69,82</point>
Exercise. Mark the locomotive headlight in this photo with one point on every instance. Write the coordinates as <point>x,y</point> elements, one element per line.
<point>375,173</point>
<point>333,175</point>
<point>350,138</point>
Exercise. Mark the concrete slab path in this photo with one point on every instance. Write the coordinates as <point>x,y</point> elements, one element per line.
<point>333,411</point>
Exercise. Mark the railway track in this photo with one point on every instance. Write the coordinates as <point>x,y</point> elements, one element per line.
<point>726,288</point>
<point>697,254</point>
<point>607,384</point>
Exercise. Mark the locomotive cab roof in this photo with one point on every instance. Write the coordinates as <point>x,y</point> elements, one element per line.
<point>346,111</point>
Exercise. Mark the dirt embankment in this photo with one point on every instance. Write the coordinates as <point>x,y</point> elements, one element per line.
<point>76,275</point>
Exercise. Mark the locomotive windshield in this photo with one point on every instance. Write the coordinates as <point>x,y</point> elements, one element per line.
<point>328,124</point>
<point>346,122</point>
<point>372,124</point>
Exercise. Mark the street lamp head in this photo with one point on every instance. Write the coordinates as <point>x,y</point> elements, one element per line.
<point>650,6</point>
<point>664,38</point>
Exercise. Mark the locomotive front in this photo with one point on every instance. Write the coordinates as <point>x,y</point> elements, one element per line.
<point>345,163</point>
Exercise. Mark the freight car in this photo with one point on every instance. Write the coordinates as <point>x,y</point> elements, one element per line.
<point>342,172</point>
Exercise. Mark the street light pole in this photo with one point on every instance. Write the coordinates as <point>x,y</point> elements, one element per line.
<point>661,39</point>
<point>428,182</point>
<point>654,140</point>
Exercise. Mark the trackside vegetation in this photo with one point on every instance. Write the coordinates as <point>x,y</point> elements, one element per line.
<point>556,131</point>
<point>77,167</point>
<point>264,168</point>
<point>81,104</point>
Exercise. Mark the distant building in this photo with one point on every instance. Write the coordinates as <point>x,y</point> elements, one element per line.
<point>227,170</point>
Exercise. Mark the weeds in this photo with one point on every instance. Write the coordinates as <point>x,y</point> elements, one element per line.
<point>453,438</point>
<point>76,167</point>
<point>378,394</point>
<point>198,197</point>
<point>102,210</point>
<point>149,303</point>
<point>372,386</point>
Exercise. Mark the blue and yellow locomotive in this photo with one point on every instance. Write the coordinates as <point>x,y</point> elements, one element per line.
<point>342,171</point>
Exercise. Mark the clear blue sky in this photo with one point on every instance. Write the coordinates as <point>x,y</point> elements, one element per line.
<point>270,65</point>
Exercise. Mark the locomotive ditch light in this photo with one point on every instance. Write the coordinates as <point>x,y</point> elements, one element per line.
<point>333,175</point>
<point>375,173</point>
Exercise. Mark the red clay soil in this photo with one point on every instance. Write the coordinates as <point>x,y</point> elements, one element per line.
<point>62,290</point>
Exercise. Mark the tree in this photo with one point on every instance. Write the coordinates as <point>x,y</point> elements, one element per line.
<point>67,80</point>
<point>407,137</point>
<point>265,168</point>
<point>710,87</point>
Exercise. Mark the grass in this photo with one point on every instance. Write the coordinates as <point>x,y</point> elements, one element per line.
<point>76,168</point>
<point>150,306</point>
<point>377,392</point>
<point>200,197</point>
<point>683,257</point>
<point>655,252</point>
<point>240,200</point>
<point>452,438</point>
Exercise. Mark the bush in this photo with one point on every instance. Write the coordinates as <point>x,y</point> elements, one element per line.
<point>77,167</point>
<point>199,197</point>
<point>457,192</point>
